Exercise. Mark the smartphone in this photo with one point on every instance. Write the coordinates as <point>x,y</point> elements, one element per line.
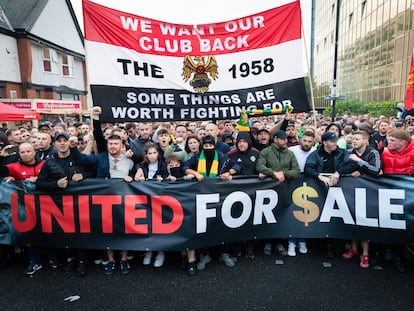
<point>13,150</point>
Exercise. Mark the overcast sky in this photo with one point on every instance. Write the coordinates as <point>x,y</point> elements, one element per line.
<point>177,11</point>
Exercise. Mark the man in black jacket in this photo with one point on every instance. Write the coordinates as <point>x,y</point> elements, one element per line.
<point>55,174</point>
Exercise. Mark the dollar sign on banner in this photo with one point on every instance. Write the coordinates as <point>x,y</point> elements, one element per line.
<point>310,209</point>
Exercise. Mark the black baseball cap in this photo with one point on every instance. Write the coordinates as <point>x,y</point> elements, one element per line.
<point>208,140</point>
<point>329,136</point>
<point>61,134</point>
<point>263,130</point>
<point>280,134</point>
<point>42,124</point>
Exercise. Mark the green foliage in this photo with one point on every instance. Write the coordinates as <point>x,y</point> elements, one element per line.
<point>356,107</point>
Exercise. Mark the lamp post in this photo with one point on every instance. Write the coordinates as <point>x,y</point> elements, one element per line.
<point>334,92</point>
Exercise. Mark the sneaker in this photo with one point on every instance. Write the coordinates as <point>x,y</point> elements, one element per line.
<point>227,259</point>
<point>104,262</point>
<point>147,258</point>
<point>204,259</point>
<point>397,263</point>
<point>364,263</point>
<point>32,268</point>
<point>54,263</point>
<point>302,248</point>
<point>388,255</point>
<point>130,257</point>
<point>159,260</point>
<point>125,267</point>
<point>97,261</point>
<point>191,268</point>
<point>281,250</point>
<point>291,249</point>
<point>249,252</point>
<point>236,250</point>
<point>69,266</point>
<point>109,268</point>
<point>350,254</point>
<point>81,268</point>
<point>267,249</point>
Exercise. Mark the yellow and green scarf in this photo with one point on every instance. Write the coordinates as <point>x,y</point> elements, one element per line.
<point>202,165</point>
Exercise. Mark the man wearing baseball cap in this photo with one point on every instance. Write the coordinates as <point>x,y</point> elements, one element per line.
<point>55,174</point>
<point>328,162</point>
<point>277,161</point>
<point>45,127</point>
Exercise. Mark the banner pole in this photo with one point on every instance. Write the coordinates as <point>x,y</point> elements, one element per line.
<point>309,75</point>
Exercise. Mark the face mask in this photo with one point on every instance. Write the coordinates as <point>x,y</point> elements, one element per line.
<point>175,171</point>
<point>230,144</point>
<point>209,154</point>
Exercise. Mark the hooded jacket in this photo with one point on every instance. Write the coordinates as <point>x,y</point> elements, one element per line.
<point>21,171</point>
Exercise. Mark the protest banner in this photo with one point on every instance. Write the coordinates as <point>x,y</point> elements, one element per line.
<point>98,213</point>
<point>141,69</point>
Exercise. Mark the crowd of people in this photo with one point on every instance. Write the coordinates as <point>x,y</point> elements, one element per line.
<point>279,147</point>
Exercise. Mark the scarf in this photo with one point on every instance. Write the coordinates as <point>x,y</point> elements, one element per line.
<point>202,165</point>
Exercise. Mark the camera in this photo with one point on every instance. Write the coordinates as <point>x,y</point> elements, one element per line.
<point>13,149</point>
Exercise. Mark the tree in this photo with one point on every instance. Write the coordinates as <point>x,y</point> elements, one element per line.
<point>356,107</point>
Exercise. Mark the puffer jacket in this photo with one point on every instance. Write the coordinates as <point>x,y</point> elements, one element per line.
<point>399,162</point>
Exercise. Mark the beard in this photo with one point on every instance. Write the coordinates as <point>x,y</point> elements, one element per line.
<point>282,147</point>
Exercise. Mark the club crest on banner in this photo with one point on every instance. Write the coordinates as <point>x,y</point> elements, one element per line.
<point>200,71</point>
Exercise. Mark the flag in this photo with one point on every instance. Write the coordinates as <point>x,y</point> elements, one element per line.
<point>141,69</point>
<point>409,96</point>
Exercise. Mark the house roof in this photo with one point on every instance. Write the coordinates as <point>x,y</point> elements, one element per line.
<point>22,14</point>
<point>4,22</point>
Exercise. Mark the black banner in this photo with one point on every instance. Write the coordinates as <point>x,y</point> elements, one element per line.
<point>121,104</point>
<point>98,214</point>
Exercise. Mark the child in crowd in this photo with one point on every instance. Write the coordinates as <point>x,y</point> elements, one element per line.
<point>174,168</point>
<point>175,172</point>
<point>152,169</point>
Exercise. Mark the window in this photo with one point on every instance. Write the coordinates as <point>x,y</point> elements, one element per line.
<point>350,19</point>
<point>65,96</point>
<point>50,60</point>
<point>67,66</point>
<point>363,5</point>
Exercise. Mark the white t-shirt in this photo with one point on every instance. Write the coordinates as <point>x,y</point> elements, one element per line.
<point>120,167</point>
<point>301,156</point>
<point>152,169</point>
